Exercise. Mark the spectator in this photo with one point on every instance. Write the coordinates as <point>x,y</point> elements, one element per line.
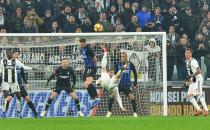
<point>118,28</point>
<point>205,32</point>
<point>205,22</point>
<point>204,11</point>
<point>143,17</point>
<point>78,30</point>
<point>63,18</point>
<point>55,27</point>
<point>17,21</point>
<point>127,13</point>
<point>199,48</point>
<point>173,18</point>
<point>153,59</point>
<point>157,19</point>
<point>138,29</point>
<point>131,27</point>
<point>81,14</point>
<point>172,41</point>
<point>15,41</point>
<point>183,4</point>
<point>36,20</point>
<point>120,7</point>
<point>135,8</point>
<point>71,26</point>
<point>150,4</point>
<point>28,27</point>
<point>190,23</point>
<point>4,21</point>
<point>3,30</point>
<point>42,6</point>
<point>118,23</point>
<point>4,41</point>
<point>95,12</point>
<point>112,15</point>
<point>27,4</point>
<point>48,19</point>
<point>180,49</point>
<point>87,25</point>
<point>105,23</point>
<point>207,59</point>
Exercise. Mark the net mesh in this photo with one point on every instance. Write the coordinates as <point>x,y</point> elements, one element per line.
<point>45,53</point>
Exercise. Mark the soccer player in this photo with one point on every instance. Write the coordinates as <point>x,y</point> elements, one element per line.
<point>21,78</point>
<point>64,75</point>
<point>195,86</point>
<point>110,81</point>
<point>89,60</point>
<point>8,68</point>
<point>125,82</point>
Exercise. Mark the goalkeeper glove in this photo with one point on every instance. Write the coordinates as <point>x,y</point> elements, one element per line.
<point>47,84</point>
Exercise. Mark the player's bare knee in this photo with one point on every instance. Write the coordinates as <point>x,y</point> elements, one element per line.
<point>18,95</point>
<point>27,98</point>
<point>9,98</point>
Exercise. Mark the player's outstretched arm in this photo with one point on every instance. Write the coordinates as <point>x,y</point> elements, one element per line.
<point>135,74</point>
<point>21,65</point>
<point>73,78</point>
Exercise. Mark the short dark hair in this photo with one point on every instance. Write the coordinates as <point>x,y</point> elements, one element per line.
<point>189,49</point>
<point>9,55</point>
<point>82,40</point>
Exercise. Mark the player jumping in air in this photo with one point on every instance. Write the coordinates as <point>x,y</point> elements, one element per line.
<point>89,61</point>
<point>64,74</point>
<point>109,81</point>
<point>195,85</point>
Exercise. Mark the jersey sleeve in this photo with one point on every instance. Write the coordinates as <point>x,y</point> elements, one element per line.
<point>21,65</point>
<point>54,73</point>
<point>116,68</point>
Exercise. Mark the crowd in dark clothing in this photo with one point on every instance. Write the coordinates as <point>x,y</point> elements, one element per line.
<point>187,22</point>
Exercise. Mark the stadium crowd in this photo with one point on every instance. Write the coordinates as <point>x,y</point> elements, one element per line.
<point>187,22</point>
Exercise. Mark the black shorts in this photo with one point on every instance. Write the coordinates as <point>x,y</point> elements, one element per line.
<point>125,90</point>
<point>89,72</point>
<point>23,92</point>
<point>59,88</point>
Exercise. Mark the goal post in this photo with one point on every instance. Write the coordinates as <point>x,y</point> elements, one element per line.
<point>44,51</point>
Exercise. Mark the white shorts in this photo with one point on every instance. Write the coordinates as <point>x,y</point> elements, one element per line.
<point>113,85</point>
<point>11,87</point>
<point>196,88</point>
<point>105,80</point>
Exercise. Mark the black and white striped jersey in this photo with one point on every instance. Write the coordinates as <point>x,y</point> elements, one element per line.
<point>8,69</point>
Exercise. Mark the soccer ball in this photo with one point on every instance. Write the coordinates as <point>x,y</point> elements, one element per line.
<point>98,27</point>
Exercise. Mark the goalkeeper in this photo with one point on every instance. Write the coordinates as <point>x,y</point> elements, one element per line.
<point>110,81</point>
<point>64,74</point>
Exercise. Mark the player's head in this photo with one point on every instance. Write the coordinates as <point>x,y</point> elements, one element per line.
<point>64,62</point>
<point>123,57</point>
<point>15,54</point>
<point>9,55</point>
<point>188,53</point>
<point>82,42</point>
<point>111,72</point>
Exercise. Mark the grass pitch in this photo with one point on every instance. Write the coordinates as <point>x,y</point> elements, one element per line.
<point>113,123</point>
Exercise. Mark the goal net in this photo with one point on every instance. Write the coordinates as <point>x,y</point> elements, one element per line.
<point>147,51</point>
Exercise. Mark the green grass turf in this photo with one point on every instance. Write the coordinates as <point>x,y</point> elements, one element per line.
<point>113,123</point>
